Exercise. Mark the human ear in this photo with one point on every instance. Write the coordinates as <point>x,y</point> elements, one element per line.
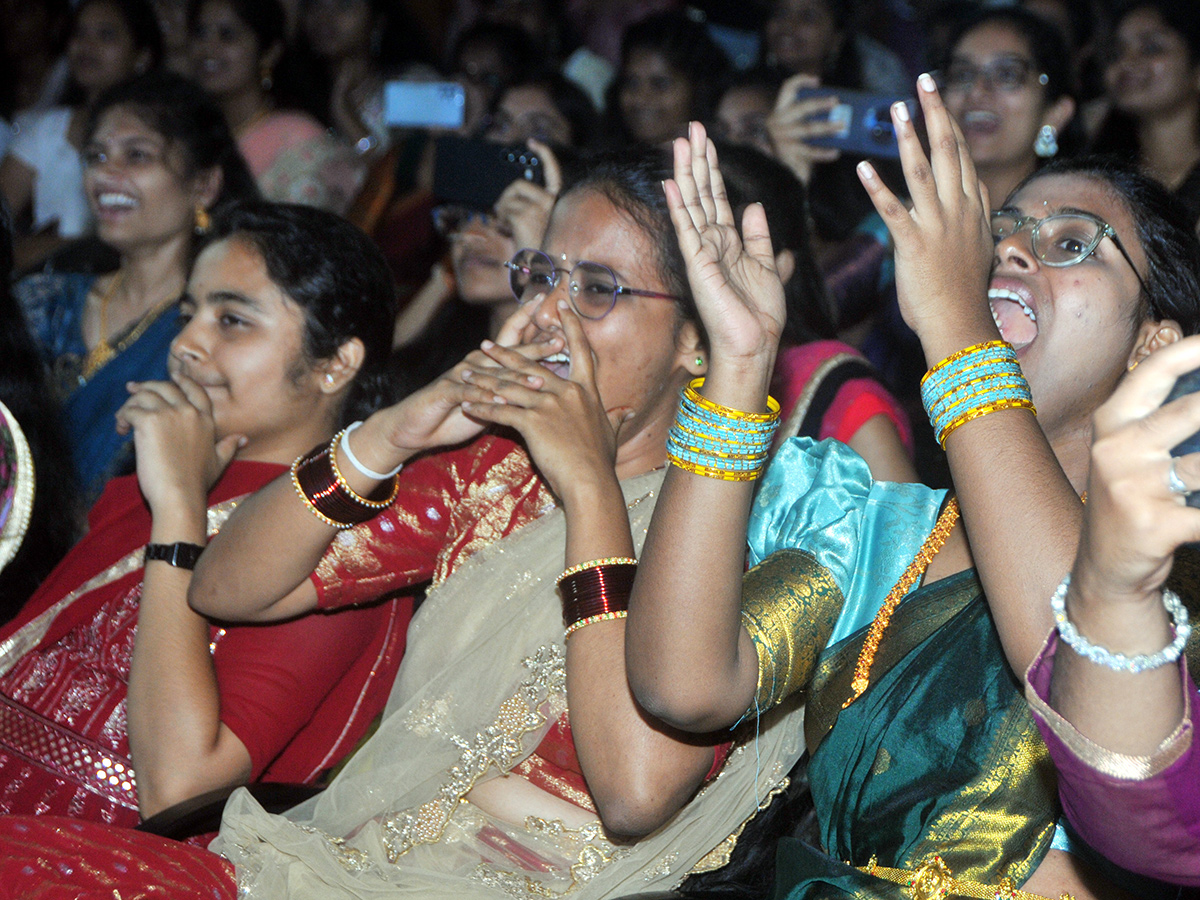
<point>1153,336</point>
<point>1060,113</point>
<point>208,186</point>
<point>341,368</point>
<point>271,56</point>
<point>692,353</point>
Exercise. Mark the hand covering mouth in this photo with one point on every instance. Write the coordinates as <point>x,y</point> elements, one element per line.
<point>1014,317</point>
<point>558,363</point>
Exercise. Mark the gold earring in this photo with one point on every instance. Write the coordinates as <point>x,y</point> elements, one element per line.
<point>203,220</point>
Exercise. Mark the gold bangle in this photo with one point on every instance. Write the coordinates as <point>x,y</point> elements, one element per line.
<point>720,474</point>
<point>600,617</point>
<point>983,411</point>
<point>959,354</point>
<point>595,564</point>
<point>350,492</point>
<point>691,392</point>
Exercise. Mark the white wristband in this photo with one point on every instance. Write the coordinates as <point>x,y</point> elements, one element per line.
<point>370,473</point>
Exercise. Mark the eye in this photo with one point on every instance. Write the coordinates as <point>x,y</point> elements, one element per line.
<point>93,156</point>
<point>540,280</point>
<point>232,320</point>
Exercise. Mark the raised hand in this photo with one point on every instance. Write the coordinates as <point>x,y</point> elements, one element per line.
<point>1133,521</point>
<point>732,277</point>
<point>570,434</point>
<point>795,121</point>
<point>943,243</point>
<point>526,206</point>
<point>179,456</point>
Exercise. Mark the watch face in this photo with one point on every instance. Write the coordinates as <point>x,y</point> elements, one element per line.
<point>181,555</point>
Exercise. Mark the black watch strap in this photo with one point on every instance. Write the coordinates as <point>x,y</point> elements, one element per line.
<point>180,555</point>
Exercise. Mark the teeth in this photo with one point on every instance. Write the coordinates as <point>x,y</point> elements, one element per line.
<point>112,200</point>
<point>558,358</point>
<point>1005,294</point>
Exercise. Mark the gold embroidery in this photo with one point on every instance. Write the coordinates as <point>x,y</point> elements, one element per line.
<point>588,845</point>
<point>790,604</point>
<point>933,880</point>
<point>500,744</point>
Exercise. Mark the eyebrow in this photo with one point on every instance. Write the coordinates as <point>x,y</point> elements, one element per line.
<point>215,297</point>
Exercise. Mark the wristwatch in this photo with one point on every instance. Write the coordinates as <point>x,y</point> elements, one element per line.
<point>181,555</point>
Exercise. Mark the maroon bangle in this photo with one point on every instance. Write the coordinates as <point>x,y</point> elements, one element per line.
<point>326,495</point>
<point>599,590</point>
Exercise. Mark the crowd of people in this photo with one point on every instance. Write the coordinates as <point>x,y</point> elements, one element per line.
<point>616,480</point>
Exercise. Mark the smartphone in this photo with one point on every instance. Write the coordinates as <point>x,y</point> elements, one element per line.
<point>1187,384</point>
<point>424,104</point>
<point>474,173</point>
<point>864,120</point>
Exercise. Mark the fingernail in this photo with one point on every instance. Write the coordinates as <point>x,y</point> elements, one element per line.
<point>243,441</point>
<point>563,304</point>
<point>900,108</point>
<point>533,379</point>
<point>487,345</point>
<point>467,374</point>
<point>925,80</point>
<point>866,170</point>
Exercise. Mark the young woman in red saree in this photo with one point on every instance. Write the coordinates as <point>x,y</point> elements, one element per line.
<point>106,669</point>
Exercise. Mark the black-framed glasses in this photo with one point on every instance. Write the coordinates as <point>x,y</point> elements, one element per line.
<point>1062,239</point>
<point>1008,73</point>
<point>591,287</point>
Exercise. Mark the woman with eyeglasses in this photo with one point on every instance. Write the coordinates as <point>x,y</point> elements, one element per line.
<point>1153,82</point>
<point>905,623</point>
<point>529,472</point>
<point>1007,81</point>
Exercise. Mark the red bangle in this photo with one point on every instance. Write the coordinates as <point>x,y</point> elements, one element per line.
<point>327,495</point>
<point>596,591</point>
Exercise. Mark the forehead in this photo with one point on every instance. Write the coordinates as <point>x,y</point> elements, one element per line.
<point>585,224</point>
<point>527,98</point>
<point>992,39</point>
<point>123,122</point>
<point>744,100</point>
<point>1052,193</point>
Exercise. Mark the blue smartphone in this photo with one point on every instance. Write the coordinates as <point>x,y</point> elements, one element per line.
<point>865,121</point>
<point>424,104</point>
<point>1187,384</point>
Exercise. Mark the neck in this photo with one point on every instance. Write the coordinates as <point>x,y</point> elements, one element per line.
<point>151,275</point>
<point>1072,446</point>
<point>282,449</point>
<point>1002,180</point>
<point>645,449</point>
<point>242,107</point>
<point>1168,142</point>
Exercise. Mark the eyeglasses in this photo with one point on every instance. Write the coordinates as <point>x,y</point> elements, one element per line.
<point>591,287</point>
<point>1009,74</point>
<point>1063,239</point>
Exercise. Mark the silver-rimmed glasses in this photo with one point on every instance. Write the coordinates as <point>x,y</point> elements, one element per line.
<point>591,287</point>
<point>1062,239</point>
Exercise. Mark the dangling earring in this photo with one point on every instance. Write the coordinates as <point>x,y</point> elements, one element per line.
<point>203,220</point>
<point>1046,145</point>
<point>264,76</point>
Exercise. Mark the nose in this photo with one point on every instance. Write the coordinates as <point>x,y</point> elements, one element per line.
<point>1017,250</point>
<point>545,314</point>
<point>190,344</point>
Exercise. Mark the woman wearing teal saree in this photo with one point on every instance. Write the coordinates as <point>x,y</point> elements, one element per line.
<point>905,626</point>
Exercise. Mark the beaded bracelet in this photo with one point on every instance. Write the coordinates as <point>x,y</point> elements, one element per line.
<point>966,363</point>
<point>718,442</point>
<point>982,410</point>
<point>1119,662</point>
<point>590,620</point>
<point>325,492</point>
<point>977,380</point>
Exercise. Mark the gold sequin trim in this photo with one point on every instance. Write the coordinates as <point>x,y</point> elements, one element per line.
<point>933,881</point>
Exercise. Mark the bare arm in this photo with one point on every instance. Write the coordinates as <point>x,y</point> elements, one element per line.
<point>16,184</point>
<point>690,662</point>
<point>179,746</point>
<point>878,442</point>
<point>638,772</point>
<point>943,255</point>
<point>258,567</point>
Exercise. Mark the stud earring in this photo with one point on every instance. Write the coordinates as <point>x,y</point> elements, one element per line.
<point>1046,145</point>
<point>203,220</point>
<point>699,360</point>
<point>329,378</point>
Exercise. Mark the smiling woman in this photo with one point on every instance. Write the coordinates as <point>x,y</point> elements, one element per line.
<point>158,160</point>
<point>106,670</point>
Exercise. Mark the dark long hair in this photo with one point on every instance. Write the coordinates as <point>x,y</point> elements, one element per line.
<point>1164,230</point>
<point>189,120</point>
<point>338,278</point>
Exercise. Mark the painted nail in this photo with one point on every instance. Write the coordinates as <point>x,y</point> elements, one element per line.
<point>925,80</point>
<point>900,108</point>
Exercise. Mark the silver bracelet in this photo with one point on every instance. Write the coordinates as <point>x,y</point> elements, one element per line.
<point>370,473</point>
<point>1119,662</point>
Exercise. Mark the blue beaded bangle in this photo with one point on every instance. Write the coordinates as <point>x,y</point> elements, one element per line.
<point>973,388</point>
<point>1119,662</point>
<point>693,437</point>
<point>1005,368</point>
<point>980,394</point>
<point>954,368</point>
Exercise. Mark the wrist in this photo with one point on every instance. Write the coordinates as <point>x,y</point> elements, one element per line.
<point>180,524</point>
<point>374,444</point>
<point>947,335</point>
<point>741,383</point>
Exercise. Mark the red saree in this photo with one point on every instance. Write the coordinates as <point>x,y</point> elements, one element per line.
<point>298,694</point>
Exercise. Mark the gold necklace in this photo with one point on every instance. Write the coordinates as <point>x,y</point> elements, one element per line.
<point>916,568</point>
<point>104,351</point>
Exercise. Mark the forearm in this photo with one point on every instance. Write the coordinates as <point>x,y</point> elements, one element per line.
<point>690,662</point>
<point>179,747</point>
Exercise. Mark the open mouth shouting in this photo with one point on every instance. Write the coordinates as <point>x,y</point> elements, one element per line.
<point>1014,314</point>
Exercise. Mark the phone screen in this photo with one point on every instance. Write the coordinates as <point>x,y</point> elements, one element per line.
<point>424,104</point>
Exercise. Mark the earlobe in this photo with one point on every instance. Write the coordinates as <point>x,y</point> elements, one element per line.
<point>341,368</point>
<point>692,352</point>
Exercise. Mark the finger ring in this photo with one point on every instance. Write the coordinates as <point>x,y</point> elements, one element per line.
<point>1175,483</point>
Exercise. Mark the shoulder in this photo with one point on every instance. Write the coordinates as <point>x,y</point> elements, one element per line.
<point>299,126</point>
<point>42,290</point>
